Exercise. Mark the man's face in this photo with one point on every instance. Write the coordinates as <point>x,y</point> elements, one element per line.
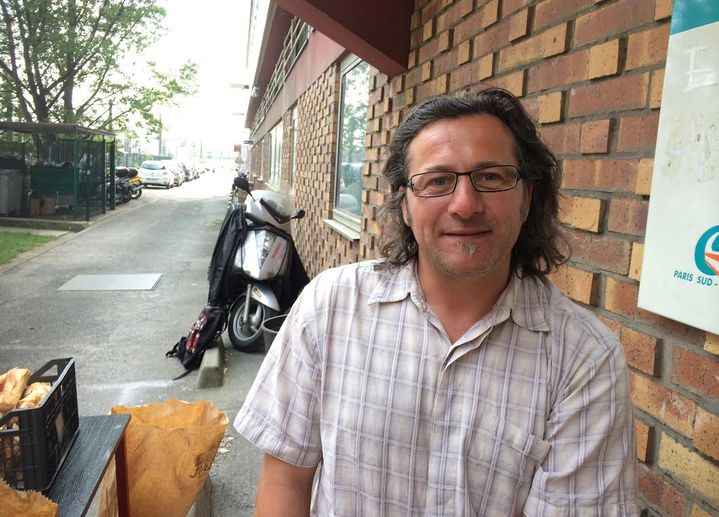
<point>466,233</point>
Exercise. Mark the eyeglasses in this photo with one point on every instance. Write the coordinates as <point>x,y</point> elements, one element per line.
<point>491,178</point>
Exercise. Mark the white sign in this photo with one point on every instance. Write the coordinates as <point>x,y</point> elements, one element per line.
<point>680,270</point>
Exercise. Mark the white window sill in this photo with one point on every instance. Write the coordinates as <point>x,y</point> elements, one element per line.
<point>345,231</point>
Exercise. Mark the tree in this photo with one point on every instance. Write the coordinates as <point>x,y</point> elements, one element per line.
<point>62,61</point>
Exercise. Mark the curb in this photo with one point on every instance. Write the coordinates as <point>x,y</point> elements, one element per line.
<point>212,367</point>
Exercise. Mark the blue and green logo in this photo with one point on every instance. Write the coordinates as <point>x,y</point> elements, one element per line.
<point>706,253</point>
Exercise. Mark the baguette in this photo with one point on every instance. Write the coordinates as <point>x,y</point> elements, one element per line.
<point>33,395</point>
<point>13,388</point>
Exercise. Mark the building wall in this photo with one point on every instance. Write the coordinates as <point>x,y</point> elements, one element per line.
<point>590,72</point>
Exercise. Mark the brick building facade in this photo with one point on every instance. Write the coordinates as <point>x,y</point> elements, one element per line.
<point>590,72</point>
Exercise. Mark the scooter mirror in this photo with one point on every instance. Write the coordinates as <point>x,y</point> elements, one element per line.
<point>299,215</point>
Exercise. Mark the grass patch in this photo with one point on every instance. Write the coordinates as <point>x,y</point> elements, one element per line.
<point>14,243</point>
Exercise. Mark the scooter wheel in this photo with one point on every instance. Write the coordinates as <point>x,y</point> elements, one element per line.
<point>248,337</point>
<point>136,195</point>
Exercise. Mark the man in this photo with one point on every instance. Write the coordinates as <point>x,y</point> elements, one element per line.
<point>449,378</point>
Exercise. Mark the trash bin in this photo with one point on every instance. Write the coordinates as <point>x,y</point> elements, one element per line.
<point>270,327</point>
<point>10,191</point>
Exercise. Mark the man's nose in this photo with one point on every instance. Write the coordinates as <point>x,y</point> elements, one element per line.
<point>465,200</point>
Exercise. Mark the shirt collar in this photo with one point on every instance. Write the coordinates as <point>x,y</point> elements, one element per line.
<point>525,299</point>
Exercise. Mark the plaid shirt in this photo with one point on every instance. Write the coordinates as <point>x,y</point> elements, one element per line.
<point>528,412</point>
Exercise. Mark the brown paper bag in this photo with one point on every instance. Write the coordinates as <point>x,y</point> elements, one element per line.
<point>170,449</point>
<point>28,503</point>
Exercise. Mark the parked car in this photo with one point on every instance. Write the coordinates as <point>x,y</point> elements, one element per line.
<point>156,173</point>
<point>187,171</point>
<point>176,171</point>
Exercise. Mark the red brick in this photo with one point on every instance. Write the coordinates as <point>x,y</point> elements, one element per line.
<point>464,52</point>
<point>616,94</point>
<point>604,59</point>
<point>660,492</point>
<point>604,175</point>
<point>485,66</point>
<point>628,216</point>
<point>647,47</point>
<point>491,39</point>
<point>427,30</point>
<point>638,133</point>
<point>706,433</point>
<point>519,25</point>
<point>560,71</point>
<point>510,6</point>
<point>468,27</point>
<point>675,410</point>
<point>645,438</point>
<point>531,106</point>
<point>581,212</point>
<point>663,9</point>
<point>577,284</point>
<point>550,12</point>
<point>490,13</point>
<point>513,82</point>
<point>612,325</point>
<point>696,372</point>
<point>595,137</point>
<point>541,46</point>
<point>601,251</point>
<point>640,350</point>
<point>429,11</point>
<point>462,76</point>
<point>621,298</point>
<point>550,108</point>
<point>612,19</point>
<point>562,138</point>
<point>655,90</point>
<point>428,50</point>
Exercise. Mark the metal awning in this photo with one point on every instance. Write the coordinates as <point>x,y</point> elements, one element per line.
<point>51,128</point>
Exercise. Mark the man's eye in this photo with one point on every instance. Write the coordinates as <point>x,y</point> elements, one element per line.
<point>439,181</point>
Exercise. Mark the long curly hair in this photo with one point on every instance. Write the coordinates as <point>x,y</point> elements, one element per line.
<point>537,250</point>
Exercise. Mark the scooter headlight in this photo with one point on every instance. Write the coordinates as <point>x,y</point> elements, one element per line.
<point>263,255</point>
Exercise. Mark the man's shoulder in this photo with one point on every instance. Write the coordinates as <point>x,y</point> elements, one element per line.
<point>350,272</point>
<point>571,322</point>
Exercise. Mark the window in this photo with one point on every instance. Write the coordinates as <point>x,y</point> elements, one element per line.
<point>354,91</point>
<point>275,154</point>
<point>293,144</point>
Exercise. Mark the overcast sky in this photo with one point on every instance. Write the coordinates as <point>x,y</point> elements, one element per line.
<point>213,34</point>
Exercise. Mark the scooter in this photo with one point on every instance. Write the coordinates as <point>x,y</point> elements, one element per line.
<point>135,183</point>
<point>266,274</point>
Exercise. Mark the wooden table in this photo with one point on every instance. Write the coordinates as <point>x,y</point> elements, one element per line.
<point>99,438</point>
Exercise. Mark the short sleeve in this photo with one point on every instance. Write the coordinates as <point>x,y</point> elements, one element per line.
<point>590,469</point>
<point>281,413</point>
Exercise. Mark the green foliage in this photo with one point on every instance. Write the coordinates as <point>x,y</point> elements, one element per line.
<point>12,244</point>
<point>63,61</point>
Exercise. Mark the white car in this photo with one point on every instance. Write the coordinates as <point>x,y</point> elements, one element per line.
<point>156,173</point>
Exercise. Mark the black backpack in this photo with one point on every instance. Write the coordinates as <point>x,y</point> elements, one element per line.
<point>202,335</point>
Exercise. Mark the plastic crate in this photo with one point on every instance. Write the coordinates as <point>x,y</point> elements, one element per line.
<point>35,441</point>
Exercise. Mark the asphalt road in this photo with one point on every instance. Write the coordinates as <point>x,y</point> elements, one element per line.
<point>119,338</point>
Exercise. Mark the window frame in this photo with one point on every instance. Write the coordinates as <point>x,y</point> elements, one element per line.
<point>294,120</point>
<point>274,176</point>
<point>345,222</point>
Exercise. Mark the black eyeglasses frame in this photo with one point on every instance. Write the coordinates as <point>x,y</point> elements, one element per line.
<point>518,178</point>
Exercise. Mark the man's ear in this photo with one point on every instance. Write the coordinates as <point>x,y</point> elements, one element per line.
<point>405,213</point>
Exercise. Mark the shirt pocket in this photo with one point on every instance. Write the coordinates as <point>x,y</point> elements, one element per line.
<point>502,459</point>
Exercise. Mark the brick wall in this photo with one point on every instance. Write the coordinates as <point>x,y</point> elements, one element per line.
<point>590,72</point>
<point>319,246</point>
